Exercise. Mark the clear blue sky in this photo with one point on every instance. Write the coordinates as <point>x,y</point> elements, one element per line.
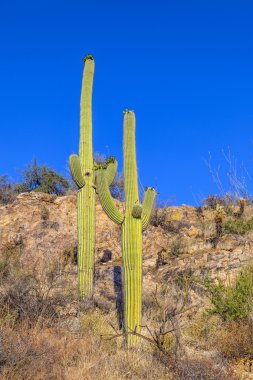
<point>185,67</point>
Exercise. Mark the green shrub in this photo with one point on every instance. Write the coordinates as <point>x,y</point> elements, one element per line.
<point>233,302</point>
<point>238,226</point>
<point>43,179</point>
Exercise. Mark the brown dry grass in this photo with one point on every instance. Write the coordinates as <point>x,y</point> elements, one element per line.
<point>56,353</point>
<point>235,340</point>
<point>46,334</point>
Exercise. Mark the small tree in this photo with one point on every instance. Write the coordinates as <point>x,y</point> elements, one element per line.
<point>42,179</point>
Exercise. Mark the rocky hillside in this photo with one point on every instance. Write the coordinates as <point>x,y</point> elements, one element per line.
<point>180,239</point>
<point>40,307</point>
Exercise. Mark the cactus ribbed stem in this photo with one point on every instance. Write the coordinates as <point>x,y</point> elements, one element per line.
<point>132,275</point>
<point>147,206</point>
<point>76,170</point>
<point>130,166</point>
<point>106,198</point>
<point>82,170</point>
<point>131,234</point>
<point>111,171</point>
<point>136,218</point>
<point>86,240</point>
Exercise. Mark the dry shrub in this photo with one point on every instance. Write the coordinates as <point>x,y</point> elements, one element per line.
<point>41,337</point>
<point>235,340</point>
<point>57,354</point>
<point>201,331</point>
<point>201,369</point>
<point>177,247</point>
<point>29,354</point>
<point>34,295</point>
<point>7,191</point>
<point>162,217</point>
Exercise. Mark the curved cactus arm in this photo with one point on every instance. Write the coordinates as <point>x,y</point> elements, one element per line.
<point>147,205</point>
<point>106,199</point>
<point>111,170</point>
<point>76,171</point>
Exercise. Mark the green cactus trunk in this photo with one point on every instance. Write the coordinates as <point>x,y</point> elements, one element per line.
<point>132,275</point>
<point>134,221</point>
<point>82,170</point>
<point>131,235</point>
<point>86,239</point>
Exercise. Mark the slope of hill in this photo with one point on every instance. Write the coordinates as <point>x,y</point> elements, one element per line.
<point>180,252</point>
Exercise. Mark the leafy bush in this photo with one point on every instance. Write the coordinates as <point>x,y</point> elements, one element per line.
<point>233,302</point>
<point>42,179</point>
<point>238,226</point>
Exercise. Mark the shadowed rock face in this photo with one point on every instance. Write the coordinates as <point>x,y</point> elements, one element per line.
<point>45,226</point>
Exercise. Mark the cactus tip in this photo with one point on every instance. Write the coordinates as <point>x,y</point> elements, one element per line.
<point>127,111</point>
<point>100,167</point>
<point>88,56</point>
<point>110,159</point>
<point>151,188</point>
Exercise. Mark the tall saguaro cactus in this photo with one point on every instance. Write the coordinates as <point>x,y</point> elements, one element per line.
<point>82,170</point>
<point>134,221</point>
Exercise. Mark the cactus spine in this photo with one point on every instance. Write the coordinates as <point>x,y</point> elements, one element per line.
<point>133,222</point>
<point>82,170</point>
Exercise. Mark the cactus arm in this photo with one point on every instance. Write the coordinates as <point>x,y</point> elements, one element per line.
<point>111,171</point>
<point>76,171</point>
<point>147,205</point>
<point>106,199</point>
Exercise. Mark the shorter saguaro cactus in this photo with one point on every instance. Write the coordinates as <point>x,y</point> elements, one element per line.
<point>133,222</point>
